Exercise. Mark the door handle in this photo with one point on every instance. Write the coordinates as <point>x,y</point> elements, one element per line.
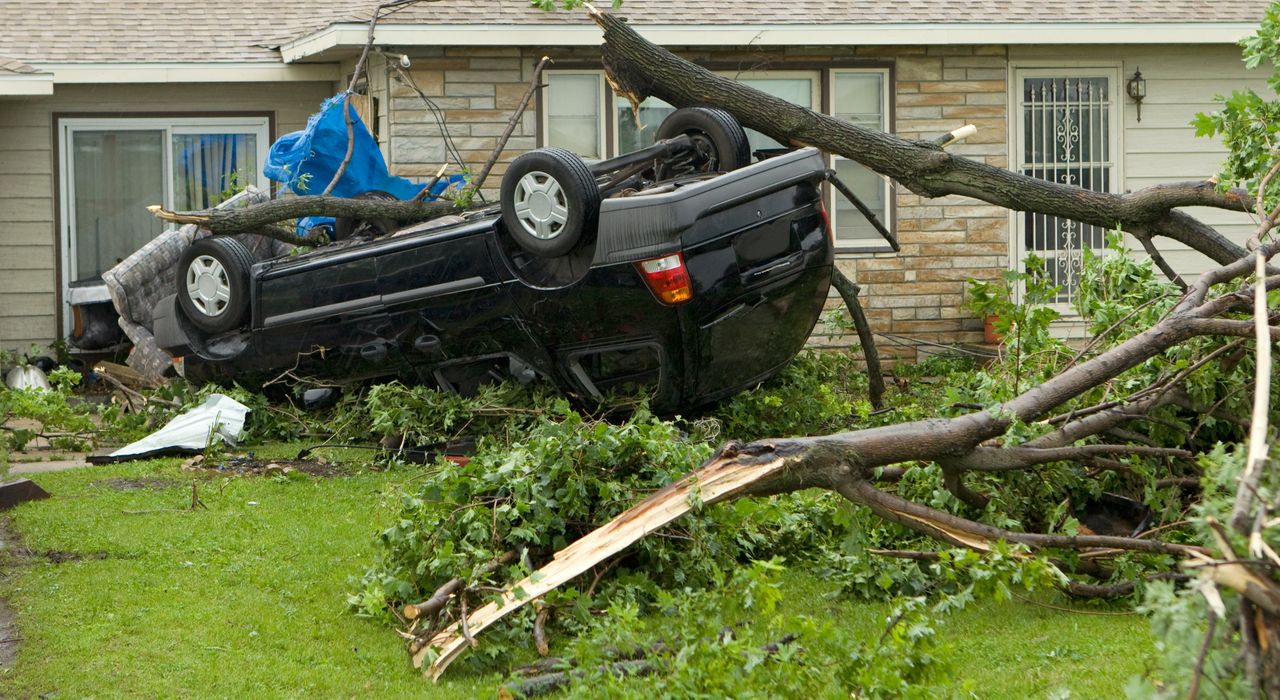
<point>427,344</point>
<point>374,352</point>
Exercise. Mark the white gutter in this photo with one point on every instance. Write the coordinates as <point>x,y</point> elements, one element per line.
<point>26,84</point>
<point>188,72</point>
<point>351,35</point>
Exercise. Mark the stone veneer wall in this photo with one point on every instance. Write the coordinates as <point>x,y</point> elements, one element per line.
<point>917,293</point>
<point>912,296</point>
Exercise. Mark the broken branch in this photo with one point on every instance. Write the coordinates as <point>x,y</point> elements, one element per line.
<point>253,218</point>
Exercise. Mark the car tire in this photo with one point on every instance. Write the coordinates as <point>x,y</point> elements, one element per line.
<point>550,202</point>
<point>345,227</point>
<point>720,143</point>
<point>213,283</point>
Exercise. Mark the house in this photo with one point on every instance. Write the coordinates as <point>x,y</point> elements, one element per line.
<point>108,107</point>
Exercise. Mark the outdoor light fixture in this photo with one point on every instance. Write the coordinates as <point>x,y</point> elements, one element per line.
<point>1137,89</point>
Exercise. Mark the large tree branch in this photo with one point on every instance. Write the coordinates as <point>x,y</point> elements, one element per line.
<point>258,216</point>
<point>637,69</point>
<point>995,459</point>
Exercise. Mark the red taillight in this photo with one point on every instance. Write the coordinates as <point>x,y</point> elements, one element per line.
<point>667,278</point>
<point>826,221</point>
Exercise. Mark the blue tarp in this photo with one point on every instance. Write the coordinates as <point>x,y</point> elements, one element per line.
<point>305,161</point>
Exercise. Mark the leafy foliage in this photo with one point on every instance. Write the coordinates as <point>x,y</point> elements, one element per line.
<point>550,5</point>
<point>536,490</point>
<point>1249,123</point>
<point>730,641</point>
<point>54,414</point>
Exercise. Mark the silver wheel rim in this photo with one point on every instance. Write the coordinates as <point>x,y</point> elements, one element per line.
<point>541,206</point>
<point>208,287</point>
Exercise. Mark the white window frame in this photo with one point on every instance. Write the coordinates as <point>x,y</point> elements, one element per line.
<point>170,126</point>
<point>1112,70</point>
<point>606,144</point>
<point>886,124</point>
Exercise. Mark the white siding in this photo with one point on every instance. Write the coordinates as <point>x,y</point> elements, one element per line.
<point>28,263</point>
<point>1163,147</point>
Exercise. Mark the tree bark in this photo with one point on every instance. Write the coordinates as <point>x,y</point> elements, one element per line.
<point>259,216</point>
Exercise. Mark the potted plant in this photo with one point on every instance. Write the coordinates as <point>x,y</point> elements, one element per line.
<point>987,299</point>
<point>993,300</point>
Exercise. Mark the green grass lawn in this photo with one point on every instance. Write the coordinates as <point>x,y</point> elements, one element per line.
<point>247,598</point>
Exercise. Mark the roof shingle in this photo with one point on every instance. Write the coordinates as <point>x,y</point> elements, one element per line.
<point>184,31</point>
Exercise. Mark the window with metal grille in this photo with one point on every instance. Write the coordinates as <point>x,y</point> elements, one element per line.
<point>1066,135</point>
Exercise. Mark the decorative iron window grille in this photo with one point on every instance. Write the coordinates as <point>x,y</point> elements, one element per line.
<point>1066,138</point>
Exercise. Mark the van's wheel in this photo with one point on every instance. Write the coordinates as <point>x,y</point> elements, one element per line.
<point>345,227</point>
<point>213,283</point>
<point>719,142</point>
<point>550,201</point>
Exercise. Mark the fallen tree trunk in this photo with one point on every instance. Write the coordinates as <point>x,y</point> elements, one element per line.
<point>638,69</point>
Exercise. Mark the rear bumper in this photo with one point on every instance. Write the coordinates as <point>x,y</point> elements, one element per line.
<point>650,225</point>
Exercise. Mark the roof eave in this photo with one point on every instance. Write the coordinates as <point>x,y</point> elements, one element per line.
<point>26,84</point>
<point>351,34</point>
<point>186,72</point>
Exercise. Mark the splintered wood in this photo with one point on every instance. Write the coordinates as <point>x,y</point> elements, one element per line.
<point>720,479</point>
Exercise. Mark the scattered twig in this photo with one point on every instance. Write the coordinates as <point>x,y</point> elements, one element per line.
<point>1198,671</point>
<point>1063,608</point>
<point>195,497</point>
<point>540,629</point>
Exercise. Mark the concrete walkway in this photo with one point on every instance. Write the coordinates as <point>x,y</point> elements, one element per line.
<point>56,465</point>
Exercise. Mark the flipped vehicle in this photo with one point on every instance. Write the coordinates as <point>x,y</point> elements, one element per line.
<point>681,270</point>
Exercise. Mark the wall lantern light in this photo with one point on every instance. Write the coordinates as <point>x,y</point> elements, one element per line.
<point>1137,89</point>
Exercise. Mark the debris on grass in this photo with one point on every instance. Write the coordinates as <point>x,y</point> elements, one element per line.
<point>219,419</point>
<point>249,465</point>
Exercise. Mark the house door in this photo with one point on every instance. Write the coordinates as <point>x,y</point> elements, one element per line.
<point>1066,133</point>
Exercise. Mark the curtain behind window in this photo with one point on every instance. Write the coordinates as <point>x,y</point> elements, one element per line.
<point>207,165</point>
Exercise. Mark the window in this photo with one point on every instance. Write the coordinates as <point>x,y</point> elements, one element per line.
<point>573,117</point>
<point>1065,134</point>
<point>112,169</point>
<point>862,98</point>
<point>579,111</point>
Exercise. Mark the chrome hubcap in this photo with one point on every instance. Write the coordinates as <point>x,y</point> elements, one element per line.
<point>208,286</point>
<point>541,205</point>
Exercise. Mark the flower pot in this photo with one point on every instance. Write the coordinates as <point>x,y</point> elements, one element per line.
<point>989,334</point>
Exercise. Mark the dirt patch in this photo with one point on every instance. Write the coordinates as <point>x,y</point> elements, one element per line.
<point>252,466</point>
<point>57,556</point>
<point>141,484</point>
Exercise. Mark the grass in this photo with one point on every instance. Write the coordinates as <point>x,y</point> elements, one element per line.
<point>247,598</point>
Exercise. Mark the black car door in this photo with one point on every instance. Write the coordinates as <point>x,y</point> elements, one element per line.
<point>324,308</point>
<point>444,301</point>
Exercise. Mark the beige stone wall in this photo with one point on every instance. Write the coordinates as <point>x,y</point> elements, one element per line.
<point>478,89</point>
<point>915,294</point>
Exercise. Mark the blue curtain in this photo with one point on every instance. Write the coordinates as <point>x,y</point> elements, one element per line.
<point>205,166</point>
